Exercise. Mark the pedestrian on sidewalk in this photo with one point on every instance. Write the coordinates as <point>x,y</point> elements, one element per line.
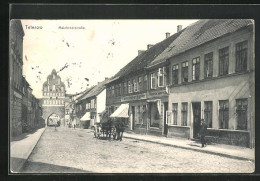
<point>203,132</point>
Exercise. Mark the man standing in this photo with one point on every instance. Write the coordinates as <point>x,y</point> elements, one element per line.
<point>203,132</point>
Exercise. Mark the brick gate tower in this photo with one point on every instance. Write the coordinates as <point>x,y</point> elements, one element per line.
<point>53,92</point>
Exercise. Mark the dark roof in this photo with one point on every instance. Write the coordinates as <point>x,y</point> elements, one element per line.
<point>142,60</point>
<point>95,90</point>
<point>199,33</point>
<point>83,93</point>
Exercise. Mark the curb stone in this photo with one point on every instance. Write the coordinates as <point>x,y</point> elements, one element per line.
<point>198,150</point>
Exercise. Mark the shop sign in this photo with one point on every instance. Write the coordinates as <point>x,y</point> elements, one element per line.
<point>157,93</point>
<point>134,97</point>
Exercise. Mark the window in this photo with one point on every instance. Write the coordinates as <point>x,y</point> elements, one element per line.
<point>135,85</point>
<point>223,61</point>
<point>153,81</point>
<point>160,77</point>
<point>208,113</point>
<point>184,114</point>
<point>241,110</point>
<point>129,87</point>
<point>139,86</point>
<point>223,114</point>
<point>241,57</point>
<point>125,87</point>
<point>208,65</point>
<point>119,90</point>
<point>175,70</point>
<point>175,112</point>
<point>116,90</point>
<point>145,83</point>
<point>185,71</point>
<point>113,90</point>
<point>196,68</point>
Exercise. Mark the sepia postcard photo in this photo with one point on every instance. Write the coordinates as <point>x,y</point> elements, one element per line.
<point>132,96</point>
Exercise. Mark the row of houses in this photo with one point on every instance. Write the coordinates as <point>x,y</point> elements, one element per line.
<point>25,110</point>
<point>205,71</point>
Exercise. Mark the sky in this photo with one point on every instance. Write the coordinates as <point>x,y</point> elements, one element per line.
<point>98,51</point>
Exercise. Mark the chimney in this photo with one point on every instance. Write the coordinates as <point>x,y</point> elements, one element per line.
<point>179,28</point>
<point>140,52</point>
<point>149,46</point>
<point>167,35</point>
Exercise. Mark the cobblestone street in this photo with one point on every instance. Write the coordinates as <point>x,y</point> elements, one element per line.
<point>68,150</point>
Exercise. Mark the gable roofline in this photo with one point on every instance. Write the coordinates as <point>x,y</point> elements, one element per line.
<point>141,61</point>
<point>182,49</point>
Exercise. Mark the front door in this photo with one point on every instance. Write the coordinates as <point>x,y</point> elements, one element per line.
<point>196,119</point>
<point>165,117</point>
<point>133,117</point>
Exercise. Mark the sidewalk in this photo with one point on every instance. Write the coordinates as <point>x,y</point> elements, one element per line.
<point>21,148</point>
<point>216,149</point>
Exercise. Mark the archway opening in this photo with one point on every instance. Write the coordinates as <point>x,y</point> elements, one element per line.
<point>53,120</point>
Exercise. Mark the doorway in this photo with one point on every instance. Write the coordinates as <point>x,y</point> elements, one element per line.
<point>133,117</point>
<point>196,119</point>
<point>165,119</point>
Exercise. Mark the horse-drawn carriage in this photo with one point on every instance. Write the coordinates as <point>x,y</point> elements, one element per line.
<point>111,126</point>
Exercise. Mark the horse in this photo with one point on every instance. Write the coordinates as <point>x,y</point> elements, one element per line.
<point>106,128</point>
<point>120,128</point>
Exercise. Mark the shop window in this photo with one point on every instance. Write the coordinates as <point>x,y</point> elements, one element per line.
<point>223,114</point>
<point>208,65</point>
<point>153,81</point>
<point>223,61</point>
<point>184,114</point>
<point>241,56</point>
<point>174,113</point>
<point>185,71</point>
<point>175,71</point>
<point>155,115</point>
<point>208,113</point>
<point>196,68</point>
<point>241,110</point>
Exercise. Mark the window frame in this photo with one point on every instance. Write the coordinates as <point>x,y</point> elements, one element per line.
<point>153,81</point>
<point>244,111</point>
<point>195,68</point>
<point>208,65</point>
<point>240,49</point>
<point>184,111</point>
<point>223,61</point>
<point>223,123</point>
<point>175,73</point>
<point>208,112</point>
<point>184,69</point>
<point>174,113</point>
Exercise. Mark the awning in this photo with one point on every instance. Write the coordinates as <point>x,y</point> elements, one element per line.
<point>121,112</point>
<point>85,117</point>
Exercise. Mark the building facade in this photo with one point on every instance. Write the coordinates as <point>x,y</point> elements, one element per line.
<point>15,74</point>
<point>91,105</point>
<point>53,101</point>
<point>132,85</point>
<point>212,78</point>
<point>205,72</point>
